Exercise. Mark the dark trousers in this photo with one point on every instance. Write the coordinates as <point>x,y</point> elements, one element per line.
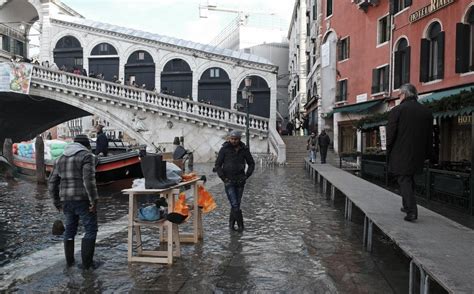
<point>75,210</point>
<point>407,189</point>
<point>324,151</point>
<point>234,194</point>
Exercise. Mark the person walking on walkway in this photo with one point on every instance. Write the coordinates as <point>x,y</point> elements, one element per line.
<point>313,147</point>
<point>289,128</point>
<point>323,142</point>
<point>230,167</point>
<point>306,125</point>
<point>409,143</point>
<point>102,142</point>
<point>73,189</point>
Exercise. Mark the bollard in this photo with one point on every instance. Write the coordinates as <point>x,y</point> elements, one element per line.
<point>40,165</point>
<point>191,161</point>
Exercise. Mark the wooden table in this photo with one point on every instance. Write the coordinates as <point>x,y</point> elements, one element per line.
<point>173,237</point>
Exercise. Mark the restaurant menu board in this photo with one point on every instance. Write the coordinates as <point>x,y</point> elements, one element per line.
<point>15,77</point>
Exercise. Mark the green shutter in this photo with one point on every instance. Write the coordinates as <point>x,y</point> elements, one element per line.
<point>397,78</point>
<point>406,74</point>
<point>462,47</point>
<point>441,38</point>
<point>424,60</point>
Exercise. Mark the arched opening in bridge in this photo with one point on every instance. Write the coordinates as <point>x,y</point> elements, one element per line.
<point>105,60</point>
<point>140,69</point>
<point>68,53</point>
<point>17,18</point>
<point>261,96</point>
<point>177,79</point>
<point>214,87</point>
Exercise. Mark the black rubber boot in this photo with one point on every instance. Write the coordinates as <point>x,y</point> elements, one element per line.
<point>163,177</point>
<point>152,169</point>
<point>87,253</point>
<point>240,221</point>
<point>69,252</point>
<point>232,220</point>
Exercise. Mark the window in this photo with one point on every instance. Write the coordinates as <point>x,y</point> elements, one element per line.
<point>314,54</point>
<point>399,5</point>
<point>343,49</point>
<point>328,8</point>
<point>383,30</point>
<point>214,73</point>
<point>5,43</point>
<point>402,64</point>
<point>341,91</point>
<point>104,47</point>
<point>465,44</point>
<point>19,48</point>
<point>380,79</point>
<point>78,61</point>
<point>314,9</point>
<point>432,54</point>
<point>141,55</point>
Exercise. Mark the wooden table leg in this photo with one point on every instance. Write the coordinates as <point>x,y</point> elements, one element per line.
<point>138,238</point>
<point>130,225</point>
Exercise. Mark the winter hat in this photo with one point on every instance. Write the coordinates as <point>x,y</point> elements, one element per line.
<point>83,139</point>
<point>236,134</point>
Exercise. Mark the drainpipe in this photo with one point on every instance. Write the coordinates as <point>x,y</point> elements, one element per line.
<point>392,70</point>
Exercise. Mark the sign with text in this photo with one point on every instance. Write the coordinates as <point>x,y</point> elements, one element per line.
<point>429,9</point>
<point>15,77</point>
<point>325,54</point>
<point>383,137</point>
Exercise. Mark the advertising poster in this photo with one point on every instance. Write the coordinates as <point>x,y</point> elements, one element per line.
<point>15,77</point>
<point>383,137</point>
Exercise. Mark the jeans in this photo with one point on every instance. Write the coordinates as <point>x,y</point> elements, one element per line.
<point>312,155</point>
<point>75,210</point>
<point>234,194</point>
<point>407,189</point>
<point>324,152</point>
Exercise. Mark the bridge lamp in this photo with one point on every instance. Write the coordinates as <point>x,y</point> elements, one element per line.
<point>247,96</point>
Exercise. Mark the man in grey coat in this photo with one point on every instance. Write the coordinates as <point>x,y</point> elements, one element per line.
<point>73,189</point>
<point>409,143</point>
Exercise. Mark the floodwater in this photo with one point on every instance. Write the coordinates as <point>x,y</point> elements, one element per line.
<point>295,241</point>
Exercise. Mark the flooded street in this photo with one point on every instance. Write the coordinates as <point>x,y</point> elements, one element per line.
<point>295,241</point>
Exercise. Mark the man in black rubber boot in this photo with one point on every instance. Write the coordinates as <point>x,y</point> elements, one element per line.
<point>73,189</point>
<point>230,167</point>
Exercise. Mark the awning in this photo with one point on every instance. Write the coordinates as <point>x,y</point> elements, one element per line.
<point>443,94</point>
<point>372,125</point>
<point>452,113</point>
<point>356,108</point>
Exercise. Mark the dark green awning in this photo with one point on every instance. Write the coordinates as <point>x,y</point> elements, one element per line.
<point>356,108</point>
<point>452,113</point>
<point>374,125</point>
<point>443,94</point>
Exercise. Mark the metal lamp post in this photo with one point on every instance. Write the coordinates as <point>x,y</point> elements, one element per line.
<point>247,96</point>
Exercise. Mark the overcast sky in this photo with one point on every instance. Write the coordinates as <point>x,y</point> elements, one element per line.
<point>178,18</point>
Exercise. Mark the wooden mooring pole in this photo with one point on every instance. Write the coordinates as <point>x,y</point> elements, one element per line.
<point>40,166</point>
<point>8,150</point>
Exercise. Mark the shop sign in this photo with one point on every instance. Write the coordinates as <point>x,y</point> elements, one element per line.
<point>429,9</point>
<point>464,120</point>
<point>383,137</point>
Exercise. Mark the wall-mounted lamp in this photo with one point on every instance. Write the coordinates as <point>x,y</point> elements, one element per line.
<point>169,124</point>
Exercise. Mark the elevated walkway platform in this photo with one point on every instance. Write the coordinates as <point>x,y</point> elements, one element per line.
<point>440,248</point>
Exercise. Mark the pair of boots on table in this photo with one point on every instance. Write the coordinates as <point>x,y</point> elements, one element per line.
<point>154,170</point>
<point>236,216</point>
<point>87,252</point>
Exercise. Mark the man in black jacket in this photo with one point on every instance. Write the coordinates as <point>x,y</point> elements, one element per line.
<point>409,143</point>
<point>323,142</point>
<point>102,142</point>
<point>230,167</point>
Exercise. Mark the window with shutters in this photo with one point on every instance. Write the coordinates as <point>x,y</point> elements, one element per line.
<point>465,44</point>
<point>432,54</point>
<point>380,79</point>
<point>6,43</point>
<point>402,63</point>
<point>328,8</point>
<point>399,5</point>
<point>341,91</point>
<point>343,49</point>
<point>383,30</point>
<point>314,10</point>
<point>214,73</point>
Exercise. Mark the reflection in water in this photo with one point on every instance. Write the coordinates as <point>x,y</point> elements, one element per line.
<point>295,241</point>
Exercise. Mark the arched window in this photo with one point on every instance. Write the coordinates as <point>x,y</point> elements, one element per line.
<point>432,54</point>
<point>465,43</point>
<point>176,78</point>
<point>68,53</point>
<point>402,63</point>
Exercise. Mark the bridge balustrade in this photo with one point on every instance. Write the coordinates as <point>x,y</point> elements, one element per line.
<point>175,104</point>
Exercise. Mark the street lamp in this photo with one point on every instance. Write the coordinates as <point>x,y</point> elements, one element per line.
<point>248,98</point>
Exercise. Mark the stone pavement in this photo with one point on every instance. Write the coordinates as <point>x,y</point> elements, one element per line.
<point>295,242</point>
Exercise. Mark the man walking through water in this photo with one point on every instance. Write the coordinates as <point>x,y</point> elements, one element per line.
<point>323,141</point>
<point>73,189</point>
<point>230,167</point>
<point>409,143</point>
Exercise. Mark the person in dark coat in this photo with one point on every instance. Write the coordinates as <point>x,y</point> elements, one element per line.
<point>409,143</point>
<point>305,125</point>
<point>230,167</point>
<point>102,142</point>
<point>72,187</point>
<point>323,142</point>
<point>289,127</point>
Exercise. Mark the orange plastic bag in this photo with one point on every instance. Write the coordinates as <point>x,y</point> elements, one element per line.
<point>180,205</point>
<point>205,200</point>
<point>189,177</point>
